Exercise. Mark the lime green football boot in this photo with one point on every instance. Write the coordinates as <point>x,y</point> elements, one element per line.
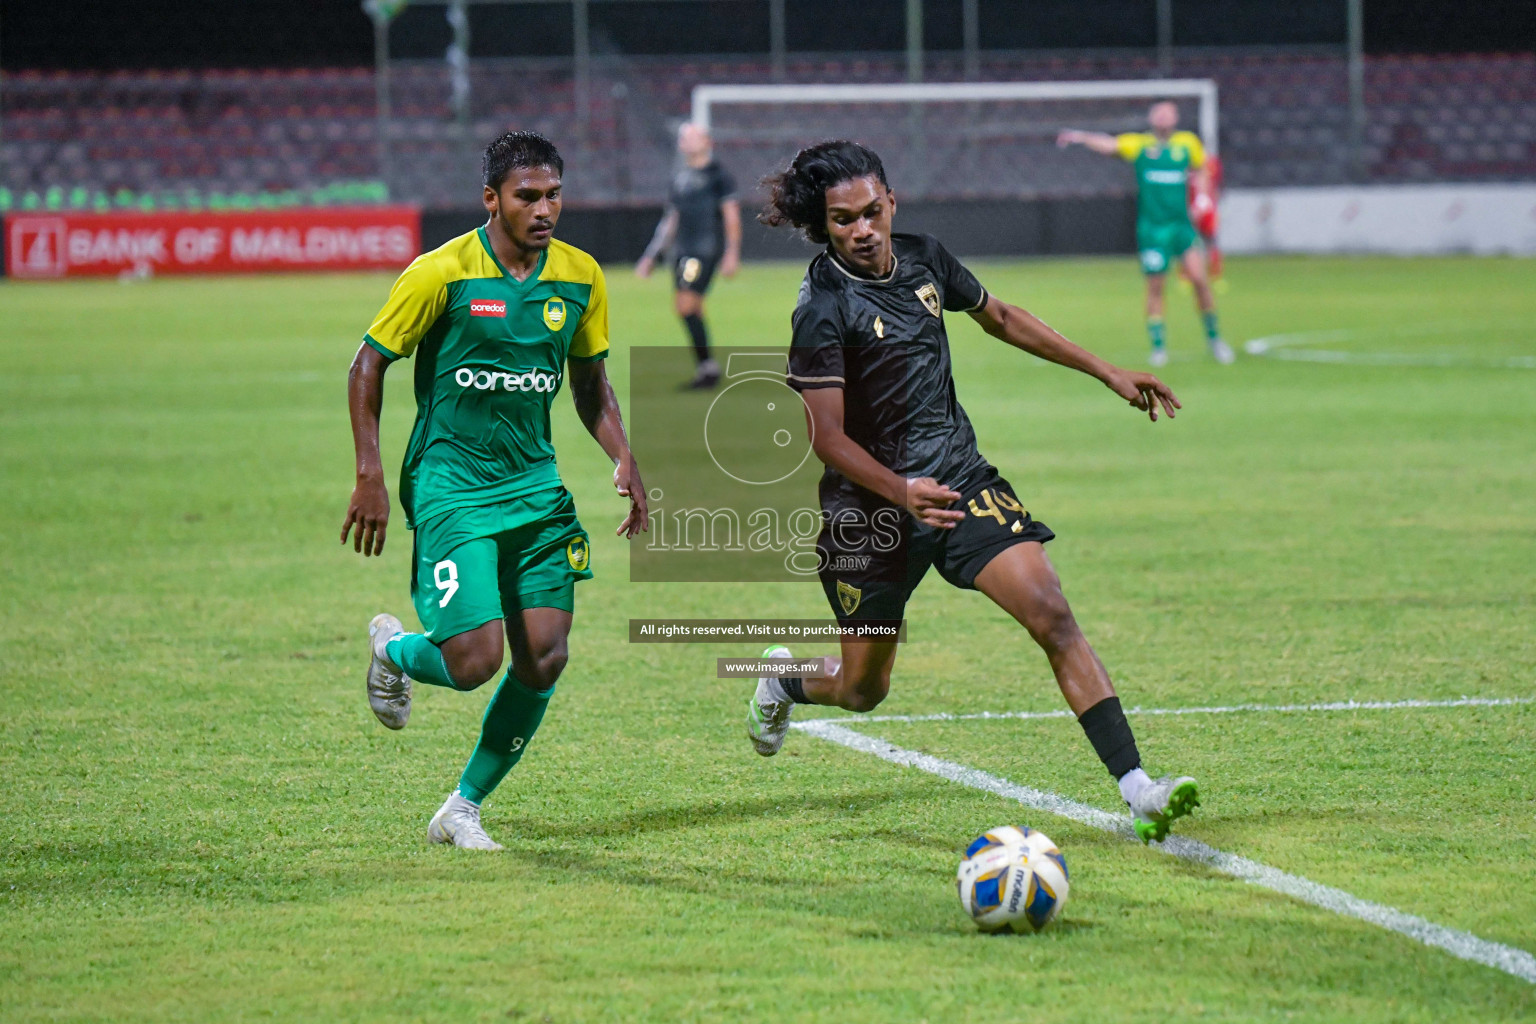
<point>1161,803</point>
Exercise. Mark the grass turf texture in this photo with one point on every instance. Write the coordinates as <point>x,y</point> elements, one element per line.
<point>202,820</point>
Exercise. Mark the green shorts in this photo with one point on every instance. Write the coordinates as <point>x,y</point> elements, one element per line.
<point>1161,245</point>
<point>473,565</point>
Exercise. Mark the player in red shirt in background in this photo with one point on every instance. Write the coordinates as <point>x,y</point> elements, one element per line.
<point>1203,214</point>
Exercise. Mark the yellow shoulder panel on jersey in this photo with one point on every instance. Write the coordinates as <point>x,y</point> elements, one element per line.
<point>420,294</point>
<point>1191,143</point>
<point>1131,144</point>
<point>568,263</point>
<point>565,262</point>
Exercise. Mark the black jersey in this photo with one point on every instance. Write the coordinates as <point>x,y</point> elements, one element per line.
<point>883,342</point>
<point>696,195</point>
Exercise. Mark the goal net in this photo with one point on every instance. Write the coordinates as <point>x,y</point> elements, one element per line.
<point>953,140</point>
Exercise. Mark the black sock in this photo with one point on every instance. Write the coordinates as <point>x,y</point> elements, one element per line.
<point>1111,737</point>
<point>795,687</point>
<point>698,335</point>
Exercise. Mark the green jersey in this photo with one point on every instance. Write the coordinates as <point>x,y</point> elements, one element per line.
<point>1162,174</point>
<point>490,357</point>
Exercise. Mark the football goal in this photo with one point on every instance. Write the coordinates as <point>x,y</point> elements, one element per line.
<point>953,140</point>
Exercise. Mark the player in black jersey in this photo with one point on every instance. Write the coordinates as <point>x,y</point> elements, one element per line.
<point>702,226</point>
<point>905,488</point>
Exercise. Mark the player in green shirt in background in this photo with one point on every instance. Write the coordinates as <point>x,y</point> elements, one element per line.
<point>495,318</point>
<point>1165,159</point>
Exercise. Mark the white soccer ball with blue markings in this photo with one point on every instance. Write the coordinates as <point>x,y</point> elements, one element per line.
<point>1012,878</point>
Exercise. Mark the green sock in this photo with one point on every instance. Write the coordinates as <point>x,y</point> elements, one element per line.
<point>511,719</point>
<point>1212,332</point>
<point>1155,332</point>
<point>421,659</point>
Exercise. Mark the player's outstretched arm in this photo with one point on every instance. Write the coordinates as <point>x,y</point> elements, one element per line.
<point>598,408</point>
<point>1096,141</point>
<point>368,511</point>
<point>1022,329</point>
<point>924,497</point>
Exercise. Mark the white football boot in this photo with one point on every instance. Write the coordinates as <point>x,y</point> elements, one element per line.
<point>389,688</point>
<point>767,715</point>
<point>1158,357</point>
<point>1160,803</point>
<point>458,822</point>
<point>1222,352</point>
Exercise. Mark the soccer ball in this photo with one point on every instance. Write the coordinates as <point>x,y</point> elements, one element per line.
<point>1012,878</point>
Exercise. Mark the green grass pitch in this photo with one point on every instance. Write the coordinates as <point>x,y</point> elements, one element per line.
<point>201,820</point>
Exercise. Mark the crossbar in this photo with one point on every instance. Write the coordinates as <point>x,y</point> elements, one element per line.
<point>706,97</point>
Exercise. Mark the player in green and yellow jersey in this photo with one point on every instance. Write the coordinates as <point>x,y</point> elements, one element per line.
<point>1165,160</point>
<point>496,319</point>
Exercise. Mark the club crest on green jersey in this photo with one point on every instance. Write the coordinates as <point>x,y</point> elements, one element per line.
<point>578,554</point>
<point>554,313</point>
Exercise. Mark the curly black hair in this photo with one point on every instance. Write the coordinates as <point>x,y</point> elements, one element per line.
<point>798,194</point>
<point>518,149</point>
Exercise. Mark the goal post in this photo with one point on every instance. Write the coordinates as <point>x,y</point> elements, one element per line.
<point>958,139</point>
<point>707,97</point>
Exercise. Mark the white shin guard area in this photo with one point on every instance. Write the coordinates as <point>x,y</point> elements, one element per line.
<point>1508,959</point>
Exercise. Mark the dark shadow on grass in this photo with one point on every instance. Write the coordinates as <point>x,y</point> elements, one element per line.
<point>1061,926</point>
<point>696,815</point>
<point>566,849</point>
<point>140,871</point>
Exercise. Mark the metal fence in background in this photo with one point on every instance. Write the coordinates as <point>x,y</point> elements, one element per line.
<point>267,137</point>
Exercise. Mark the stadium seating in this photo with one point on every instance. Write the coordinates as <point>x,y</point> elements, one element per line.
<point>78,138</point>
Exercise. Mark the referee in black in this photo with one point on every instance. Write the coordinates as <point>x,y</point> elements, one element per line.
<point>905,489</point>
<point>702,227</point>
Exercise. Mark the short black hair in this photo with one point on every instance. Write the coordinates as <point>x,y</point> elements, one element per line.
<point>518,149</point>
<point>797,195</point>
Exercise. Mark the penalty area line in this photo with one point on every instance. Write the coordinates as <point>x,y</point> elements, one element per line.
<point>1226,709</point>
<point>1295,347</point>
<point>1463,945</point>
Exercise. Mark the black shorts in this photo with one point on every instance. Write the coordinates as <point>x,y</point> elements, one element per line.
<point>693,273</point>
<point>870,573</point>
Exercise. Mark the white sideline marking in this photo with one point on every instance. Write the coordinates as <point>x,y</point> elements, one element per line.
<point>1289,347</point>
<point>1341,705</point>
<point>1516,962</point>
